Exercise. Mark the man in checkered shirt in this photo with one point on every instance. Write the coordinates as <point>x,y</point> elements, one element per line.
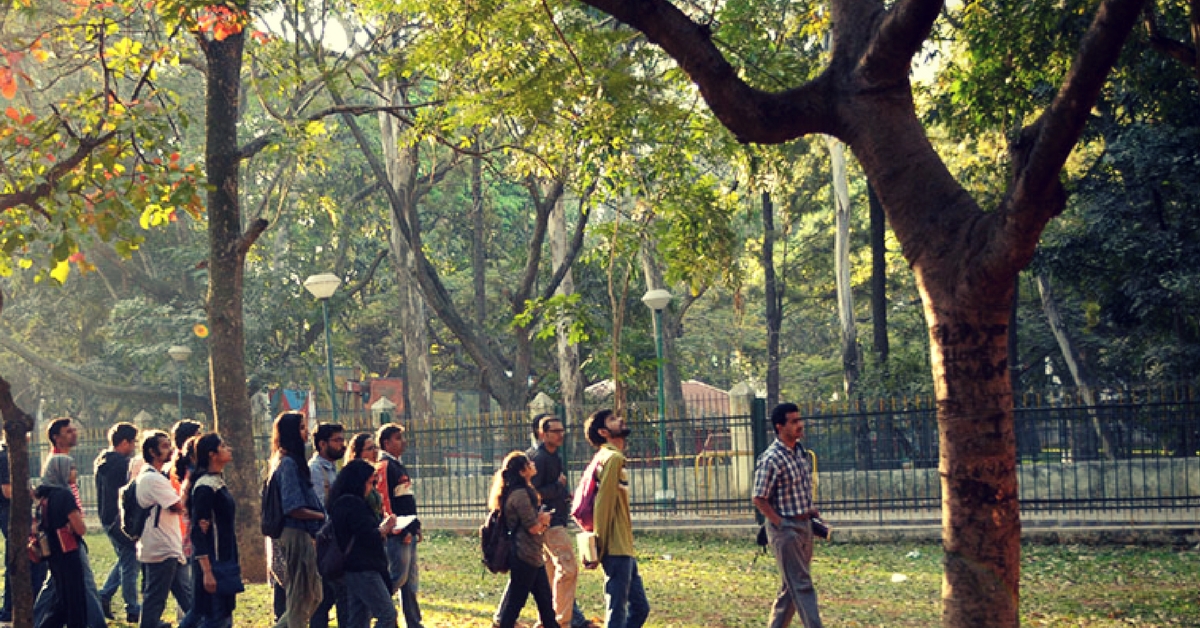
<point>783,494</point>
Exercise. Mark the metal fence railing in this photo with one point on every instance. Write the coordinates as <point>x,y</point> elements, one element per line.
<point>1132,452</point>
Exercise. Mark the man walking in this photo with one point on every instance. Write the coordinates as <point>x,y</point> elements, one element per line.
<point>112,472</point>
<point>160,547</point>
<point>329,445</point>
<point>401,545</point>
<point>624,595</point>
<point>783,494</point>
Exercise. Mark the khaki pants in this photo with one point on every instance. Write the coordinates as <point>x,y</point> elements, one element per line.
<point>562,570</point>
<point>301,580</point>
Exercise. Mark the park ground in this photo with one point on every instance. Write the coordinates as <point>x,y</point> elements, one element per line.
<point>701,581</point>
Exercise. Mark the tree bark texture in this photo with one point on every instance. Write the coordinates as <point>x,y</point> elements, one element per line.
<point>401,165</point>
<point>965,259</point>
<point>841,265</point>
<point>774,300</point>
<point>569,374</point>
<point>17,426</point>
<point>879,300</point>
<point>226,267</point>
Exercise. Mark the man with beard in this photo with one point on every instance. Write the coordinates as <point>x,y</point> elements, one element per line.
<point>624,595</point>
<point>329,445</point>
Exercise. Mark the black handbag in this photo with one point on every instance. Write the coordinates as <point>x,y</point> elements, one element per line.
<point>228,575</point>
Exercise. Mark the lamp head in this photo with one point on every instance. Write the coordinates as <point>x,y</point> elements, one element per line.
<point>657,299</point>
<point>322,286</point>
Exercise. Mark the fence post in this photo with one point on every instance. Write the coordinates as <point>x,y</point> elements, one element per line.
<point>741,404</point>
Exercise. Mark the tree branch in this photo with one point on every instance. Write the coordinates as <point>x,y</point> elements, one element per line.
<point>751,114</point>
<point>30,196</point>
<point>248,239</point>
<point>903,31</point>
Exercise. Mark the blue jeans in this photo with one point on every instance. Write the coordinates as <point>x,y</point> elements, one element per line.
<point>402,567</point>
<point>367,596</point>
<point>124,572</point>
<point>167,577</point>
<point>45,599</point>
<point>625,600</point>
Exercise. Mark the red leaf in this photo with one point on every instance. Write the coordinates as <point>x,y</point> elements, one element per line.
<point>8,84</point>
<point>13,115</point>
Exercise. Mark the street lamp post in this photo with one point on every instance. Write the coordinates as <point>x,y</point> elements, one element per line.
<point>179,354</point>
<point>657,300</point>
<point>322,287</point>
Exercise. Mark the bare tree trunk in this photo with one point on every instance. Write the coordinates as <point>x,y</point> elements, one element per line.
<point>17,426</point>
<point>479,263</point>
<point>228,246</point>
<point>845,293</point>
<point>1075,362</point>
<point>569,374</point>
<point>401,165</point>
<point>774,298</point>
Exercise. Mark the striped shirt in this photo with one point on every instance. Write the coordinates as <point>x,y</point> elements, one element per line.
<point>783,477</point>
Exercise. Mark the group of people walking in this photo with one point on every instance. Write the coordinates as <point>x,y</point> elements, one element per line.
<point>187,544</point>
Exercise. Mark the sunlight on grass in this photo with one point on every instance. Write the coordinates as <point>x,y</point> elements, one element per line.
<point>697,581</point>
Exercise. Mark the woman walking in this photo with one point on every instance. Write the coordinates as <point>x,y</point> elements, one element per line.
<point>368,585</point>
<point>517,500</point>
<point>63,524</point>
<point>303,516</point>
<point>211,511</point>
<point>363,447</point>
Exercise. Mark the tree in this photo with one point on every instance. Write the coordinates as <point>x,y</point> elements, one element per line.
<point>965,258</point>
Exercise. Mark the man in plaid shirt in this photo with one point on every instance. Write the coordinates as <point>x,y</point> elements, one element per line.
<point>783,494</point>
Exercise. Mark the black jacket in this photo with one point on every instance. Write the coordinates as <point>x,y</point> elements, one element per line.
<point>112,472</point>
<point>554,493</point>
<point>353,518</point>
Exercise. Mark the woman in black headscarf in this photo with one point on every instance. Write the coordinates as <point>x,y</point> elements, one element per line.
<point>62,521</point>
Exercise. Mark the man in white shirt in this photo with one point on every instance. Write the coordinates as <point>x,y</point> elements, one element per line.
<point>160,547</point>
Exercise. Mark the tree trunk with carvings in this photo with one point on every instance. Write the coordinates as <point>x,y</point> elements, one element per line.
<point>965,259</point>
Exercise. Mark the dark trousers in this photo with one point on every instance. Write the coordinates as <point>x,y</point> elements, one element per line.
<point>334,595</point>
<point>524,579</point>
<point>167,577</point>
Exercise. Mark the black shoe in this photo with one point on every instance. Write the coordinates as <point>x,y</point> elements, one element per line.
<point>106,605</point>
<point>133,618</point>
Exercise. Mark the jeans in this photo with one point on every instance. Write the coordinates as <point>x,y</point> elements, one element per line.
<point>625,600</point>
<point>333,593</point>
<point>169,576</point>
<point>45,599</point>
<point>792,544</point>
<point>190,618</point>
<point>402,567</point>
<point>525,579</point>
<point>367,596</point>
<point>124,572</point>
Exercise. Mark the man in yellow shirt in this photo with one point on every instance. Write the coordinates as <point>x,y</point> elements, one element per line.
<point>624,595</point>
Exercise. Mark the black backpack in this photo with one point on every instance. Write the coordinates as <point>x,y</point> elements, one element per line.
<point>272,508</point>
<point>331,558</point>
<point>495,539</point>
<point>132,516</point>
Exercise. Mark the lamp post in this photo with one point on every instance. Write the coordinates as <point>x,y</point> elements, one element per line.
<point>657,300</point>
<point>180,354</point>
<point>322,287</point>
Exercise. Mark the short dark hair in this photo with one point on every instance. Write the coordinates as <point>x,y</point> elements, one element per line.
<point>121,432</point>
<point>386,432</point>
<point>540,421</point>
<point>779,414</point>
<point>595,423</point>
<point>325,431</point>
<point>55,427</point>
<point>150,443</point>
<point>183,430</point>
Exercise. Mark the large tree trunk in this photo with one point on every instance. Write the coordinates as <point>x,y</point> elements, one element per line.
<point>841,265</point>
<point>401,165</point>
<point>227,254</point>
<point>569,374</point>
<point>17,426</point>
<point>774,300</point>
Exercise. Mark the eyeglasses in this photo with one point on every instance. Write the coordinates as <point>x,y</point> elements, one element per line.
<point>559,431</point>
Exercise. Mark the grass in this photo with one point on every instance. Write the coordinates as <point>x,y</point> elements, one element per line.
<point>698,581</point>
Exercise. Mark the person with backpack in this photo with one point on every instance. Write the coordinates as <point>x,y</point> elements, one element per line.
<point>303,516</point>
<point>514,496</point>
<point>624,595</point>
<point>359,534</point>
<point>401,544</point>
<point>61,519</point>
<point>212,512</point>
<point>111,473</point>
<point>160,545</point>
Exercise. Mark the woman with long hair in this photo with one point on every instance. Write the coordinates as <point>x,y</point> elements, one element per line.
<point>303,516</point>
<point>62,522</point>
<point>363,447</point>
<point>368,585</point>
<point>514,496</point>
<point>185,434</point>
<point>211,511</point>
